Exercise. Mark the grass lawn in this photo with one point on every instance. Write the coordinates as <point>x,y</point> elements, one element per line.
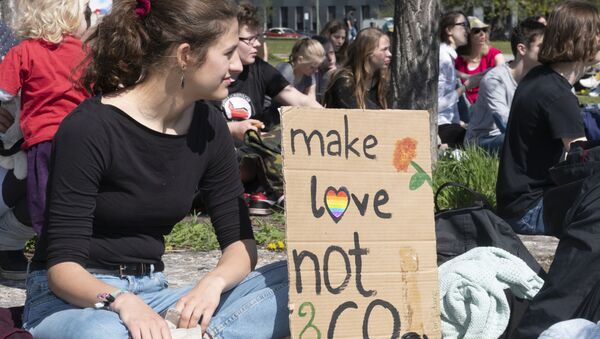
<point>279,49</point>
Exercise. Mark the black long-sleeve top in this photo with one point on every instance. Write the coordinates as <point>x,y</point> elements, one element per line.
<point>117,187</point>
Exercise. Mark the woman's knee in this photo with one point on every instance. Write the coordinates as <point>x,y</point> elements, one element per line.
<point>85,323</point>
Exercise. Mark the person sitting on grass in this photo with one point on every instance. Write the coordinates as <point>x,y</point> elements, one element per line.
<point>244,105</point>
<point>362,82</point>
<point>327,68</point>
<point>477,55</point>
<point>454,31</point>
<point>545,117</point>
<point>306,57</point>
<point>126,164</point>
<point>247,110</point>
<point>489,114</point>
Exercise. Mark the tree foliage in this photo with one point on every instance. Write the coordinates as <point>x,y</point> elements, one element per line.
<point>497,12</point>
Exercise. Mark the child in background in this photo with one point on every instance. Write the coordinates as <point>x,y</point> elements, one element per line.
<point>42,67</point>
<point>306,57</point>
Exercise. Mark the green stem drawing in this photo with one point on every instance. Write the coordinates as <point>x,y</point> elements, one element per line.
<point>419,178</point>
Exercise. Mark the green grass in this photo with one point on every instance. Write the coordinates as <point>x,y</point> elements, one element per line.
<point>197,234</point>
<point>502,45</point>
<point>279,49</point>
<point>475,168</point>
<point>584,100</point>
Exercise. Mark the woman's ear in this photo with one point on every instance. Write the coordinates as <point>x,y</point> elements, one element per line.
<point>183,55</point>
<point>449,30</point>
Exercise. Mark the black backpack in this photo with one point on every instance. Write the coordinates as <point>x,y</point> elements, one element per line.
<point>462,229</point>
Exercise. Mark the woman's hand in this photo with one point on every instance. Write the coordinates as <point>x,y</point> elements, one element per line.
<point>200,304</point>
<point>141,320</point>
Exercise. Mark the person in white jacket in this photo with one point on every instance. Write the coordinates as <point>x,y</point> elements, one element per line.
<point>454,32</point>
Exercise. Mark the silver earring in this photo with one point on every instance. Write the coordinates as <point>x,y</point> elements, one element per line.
<point>182,79</point>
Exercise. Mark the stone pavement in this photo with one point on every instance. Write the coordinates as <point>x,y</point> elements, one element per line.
<point>184,267</point>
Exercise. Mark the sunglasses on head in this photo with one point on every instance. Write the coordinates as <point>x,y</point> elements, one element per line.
<point>478,30</point>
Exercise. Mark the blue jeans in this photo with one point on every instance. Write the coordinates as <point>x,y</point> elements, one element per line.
<point>255,308</point>
<point>532,222</point>
<point>492,144</point>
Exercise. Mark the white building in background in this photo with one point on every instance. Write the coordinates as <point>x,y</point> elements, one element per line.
<point>302,15</point>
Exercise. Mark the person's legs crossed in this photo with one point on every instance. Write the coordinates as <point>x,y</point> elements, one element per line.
<point>257,305</point>
<point>532,222</point>
<point>46,316</point>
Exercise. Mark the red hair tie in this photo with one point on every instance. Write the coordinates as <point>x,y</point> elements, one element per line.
<point>142,9</point>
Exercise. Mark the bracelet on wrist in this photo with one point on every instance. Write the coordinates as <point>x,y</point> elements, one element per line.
<point>106,299</point>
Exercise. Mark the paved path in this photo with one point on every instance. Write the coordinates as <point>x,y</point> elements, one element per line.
<point>183,268</point>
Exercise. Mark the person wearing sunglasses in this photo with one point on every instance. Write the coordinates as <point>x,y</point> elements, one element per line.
<point>477,55</point>
<point>454,31</point>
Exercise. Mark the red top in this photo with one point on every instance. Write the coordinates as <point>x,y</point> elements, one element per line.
<point>487,61</point>
<point>43,72</point>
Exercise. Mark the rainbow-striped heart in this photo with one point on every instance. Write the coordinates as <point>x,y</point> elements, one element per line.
<point>336,202</point>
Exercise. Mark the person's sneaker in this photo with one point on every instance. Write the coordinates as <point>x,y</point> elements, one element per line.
<point>13,265</point>
<point>260,205</point>
<point>280,204</point>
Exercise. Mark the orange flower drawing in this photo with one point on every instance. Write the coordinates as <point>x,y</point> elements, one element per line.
<point>405,153</point>
<point>404,156</point>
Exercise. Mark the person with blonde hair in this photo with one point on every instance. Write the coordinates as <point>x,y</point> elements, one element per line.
<point>362,82</point>
<point>306,57</point>
<point>126,166</point>
<point>41,69</point>
<point>545,117</point>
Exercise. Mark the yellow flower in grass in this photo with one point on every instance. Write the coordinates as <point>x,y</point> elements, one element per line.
<point>280,244</point>
<point>272,246</point>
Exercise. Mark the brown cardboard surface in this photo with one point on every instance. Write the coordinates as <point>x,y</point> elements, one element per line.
<point>360,226</point>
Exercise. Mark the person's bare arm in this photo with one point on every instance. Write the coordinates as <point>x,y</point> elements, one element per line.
<point>499,59</point>
<point>290,96</point>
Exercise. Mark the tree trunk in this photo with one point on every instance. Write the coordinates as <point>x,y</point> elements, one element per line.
<point>415,60</point>
<point>8,11</point>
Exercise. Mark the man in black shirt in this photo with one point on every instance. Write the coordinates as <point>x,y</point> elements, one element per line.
<point>544,120</point>
<point>244,107</point>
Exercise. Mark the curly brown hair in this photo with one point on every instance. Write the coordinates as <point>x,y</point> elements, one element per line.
<point>123,47</point>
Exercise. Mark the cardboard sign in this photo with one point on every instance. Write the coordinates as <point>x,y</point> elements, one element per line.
<point>360,225</point>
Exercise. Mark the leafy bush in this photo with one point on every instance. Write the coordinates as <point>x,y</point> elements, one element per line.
<point>473,167</point>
